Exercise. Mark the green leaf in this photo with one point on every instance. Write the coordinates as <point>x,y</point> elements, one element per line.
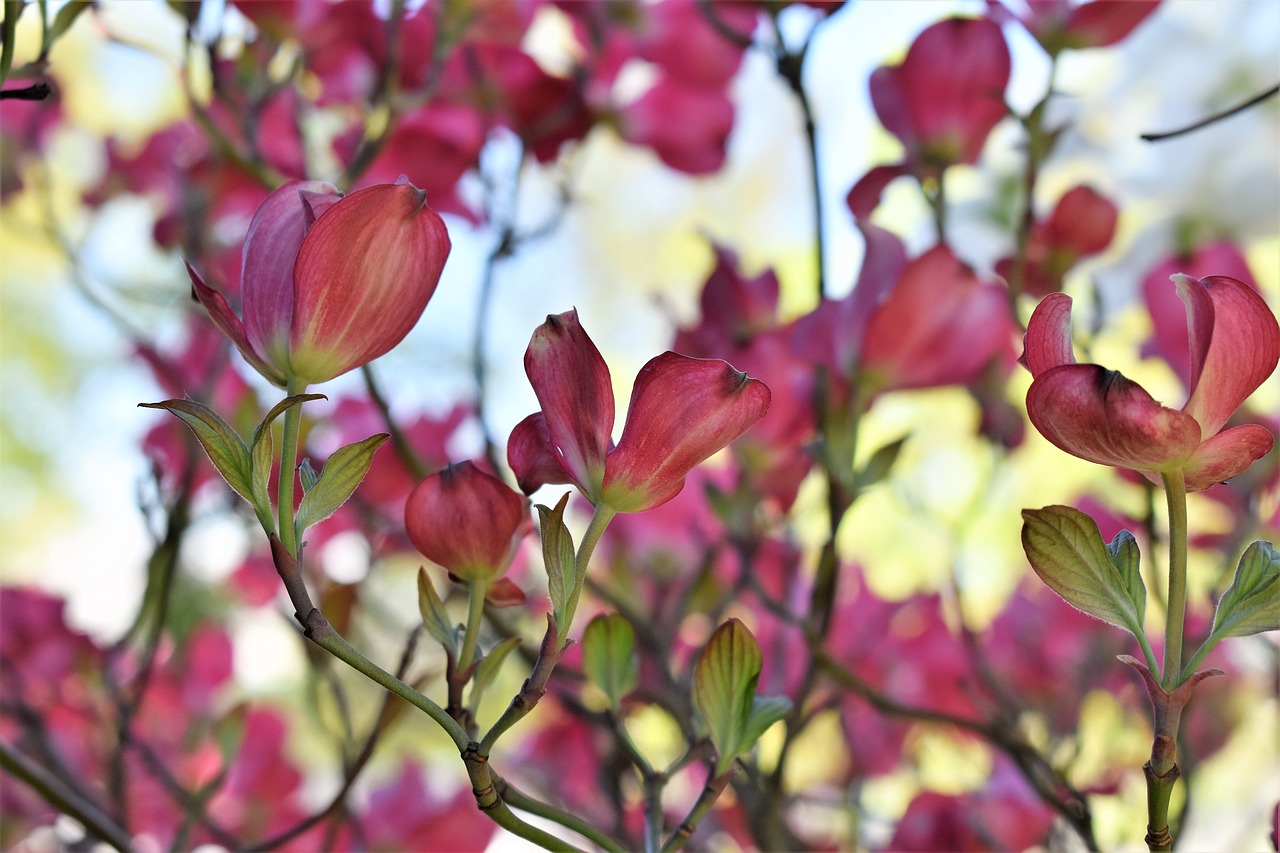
<point>223,445</point>
<point>434,617</point>
<point>1067,552</point>
<point>64,19</point>
<point>263,457</point>
<point>1126,557</point>
<point>558,557</point>
<point>879,465</point>
<point>343,471</point>
<point>724,689</point>
<point>609,656</point>
<point>1251,604</point>
<point>307,474</point>
<point>487,670</point>
<point>9,35</point>
<point>765,711</point>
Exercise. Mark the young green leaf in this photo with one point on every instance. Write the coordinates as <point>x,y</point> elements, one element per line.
<point>343,471</point>
<point>1067,552</point>
<point>262,450</point>
<point>724,689</point>
<point>434,617</point>
<point>224,446</point>
<point>879,465</point>
<point>487,670</point>
<point>558,557</point>
<point>307,474</point>
<point>1251,604</point>
<point>765,711</point>
<point>609,656</point>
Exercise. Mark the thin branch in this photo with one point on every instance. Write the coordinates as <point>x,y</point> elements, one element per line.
<point>57,794</point>
<point>1213,119</point>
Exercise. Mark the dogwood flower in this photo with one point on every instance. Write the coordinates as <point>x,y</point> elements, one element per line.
<point>682,411</point>
<point>1099,415</point>
<point>330,282</point>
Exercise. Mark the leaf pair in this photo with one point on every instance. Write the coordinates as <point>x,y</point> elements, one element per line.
<point>246,467</point>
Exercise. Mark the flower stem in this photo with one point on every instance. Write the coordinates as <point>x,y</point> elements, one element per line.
<point>288,467</point>
<point>1175,489</point>
<point>476,592</point>
<point>599,521</point>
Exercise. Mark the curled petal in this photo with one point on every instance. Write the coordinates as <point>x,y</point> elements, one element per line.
<point>864,196</point>
<point>1235,344</point>
<point>466,521</point>
<point>226,320</point>
<point>1227,454</point>
<point>573,385</point>
<point>270,249</point>
<point>532,456</point>
<point>1099,415</point>
<point>1047,343</point>
<point>682,411</point>
<point>364,274</point>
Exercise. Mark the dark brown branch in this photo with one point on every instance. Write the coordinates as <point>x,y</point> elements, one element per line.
<point>1213,119</point>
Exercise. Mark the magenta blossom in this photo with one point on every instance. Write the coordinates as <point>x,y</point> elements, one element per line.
<point>331,283</point>
<point>1099,415</point>
<point>682,411</point>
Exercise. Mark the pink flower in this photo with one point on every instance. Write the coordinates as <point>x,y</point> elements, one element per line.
<point>331,283</point>
<point>682,411</point>
<point>1062,25</point>
<point>1099,415</point>
<point>941,102</point>
<point>467,521</point>
<point>908,325</point>
<point>1082,224</point>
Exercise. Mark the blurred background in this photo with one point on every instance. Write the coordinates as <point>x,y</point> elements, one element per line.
<point>628,240</point>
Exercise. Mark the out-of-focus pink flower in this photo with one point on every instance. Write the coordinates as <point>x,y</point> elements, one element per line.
<point>686,126</point>
<point>467,521</point>
<point>682,411</point>
<point>906,325</point>
<point>404,815</point>
<point>941,102</point>
<point>1063,25</point>
<point>331,283</point>
<point>1168,315</point>
<point>1082,224</point>
<point>1099,415</point>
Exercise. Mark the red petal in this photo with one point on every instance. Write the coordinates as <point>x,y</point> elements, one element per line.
<point>682,411</point>
<point>1099,415</point>
<point>1099,23</point>
<point>226,320</point>
<point>363,277</point>
<point>1227,454</point>
<point>270,250</point>
<point>1047,343</point>
<point>1235,344</point>
<point>533,457</point>
<point>466,521</point>
<point>864,197</point>
<point>573,385</point>
<point>1083,222</point>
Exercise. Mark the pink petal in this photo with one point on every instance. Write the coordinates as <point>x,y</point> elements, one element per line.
<point>682,411</point>
<point>1233,352</point>
<point>1099,23</point>
<point>466,521</point>
<point>1083,222</point>
<point>573,386</point>
<point>864,197</point>
<point>883,261</point>
<point>226,320</point>
<point>1227,454</point>
<point>364,274</point>
<point>1099,415</point>
<point>940,325</point>
<point>686,126</point>
<point>270,250</point>
<point>533,457</point>
<point>1047,343</point>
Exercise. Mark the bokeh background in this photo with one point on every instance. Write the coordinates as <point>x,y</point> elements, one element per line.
<point>79,284</point>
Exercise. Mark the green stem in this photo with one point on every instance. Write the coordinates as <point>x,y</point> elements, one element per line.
<point>476,591</point>
<point>1198,658</point>
<point>288,468</point>
<point>710,793</point>
<point>599,521</point>
<point>320,632</point>
<point>520,800</point>
<point>1175,488</point>
<point>62,797</point>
